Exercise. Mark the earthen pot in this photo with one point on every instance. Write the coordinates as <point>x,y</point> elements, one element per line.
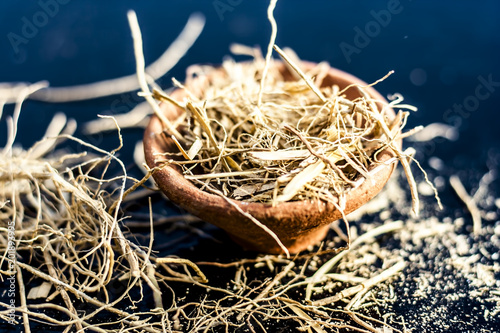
<point>298,224</point>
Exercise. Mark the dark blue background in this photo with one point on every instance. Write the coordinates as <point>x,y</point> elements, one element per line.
<point>454,42</point>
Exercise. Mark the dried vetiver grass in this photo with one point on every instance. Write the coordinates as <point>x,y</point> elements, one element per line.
<point>65,208</point>
<point>61,223</point>
<point>271,139</point>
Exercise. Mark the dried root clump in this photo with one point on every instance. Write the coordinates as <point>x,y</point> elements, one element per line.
<point>60,225</point>
<point>291,138</point>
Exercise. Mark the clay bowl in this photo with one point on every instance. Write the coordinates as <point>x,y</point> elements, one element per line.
<point>298,224</point>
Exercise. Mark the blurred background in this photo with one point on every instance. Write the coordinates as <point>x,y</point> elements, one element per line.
<point>444,54</point>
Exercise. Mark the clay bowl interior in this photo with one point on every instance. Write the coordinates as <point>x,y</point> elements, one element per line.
<point>298,224</point>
